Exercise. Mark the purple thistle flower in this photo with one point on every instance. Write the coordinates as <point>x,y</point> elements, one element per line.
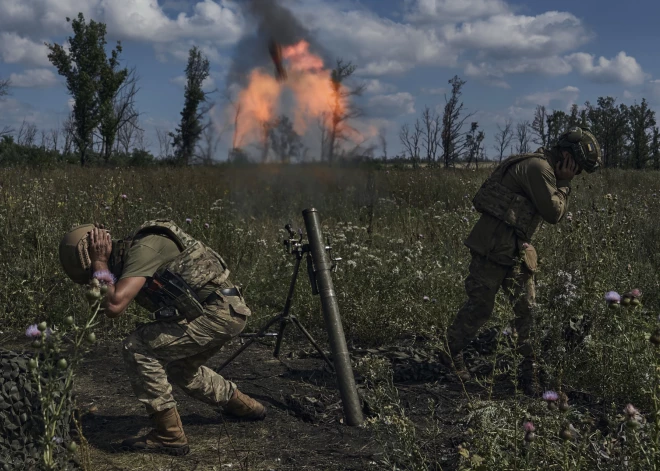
<point>528,427</point>
<point>33,332</point>
<point>631,411</point>
<point>426,298</point>
<point>636,293</point>
<point>206,225</point>
<point>550,396</point>
<point>124,196</point>
<point>612,297</point>
<point>188,220</point>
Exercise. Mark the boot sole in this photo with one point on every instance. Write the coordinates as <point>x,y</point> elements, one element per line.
<point>172,451</point>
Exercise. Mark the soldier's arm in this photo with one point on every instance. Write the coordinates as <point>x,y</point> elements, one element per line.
<point>119,296</point>
<point>549,195</point>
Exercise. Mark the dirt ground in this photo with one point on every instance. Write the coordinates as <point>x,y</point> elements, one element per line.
<point>303,430</point>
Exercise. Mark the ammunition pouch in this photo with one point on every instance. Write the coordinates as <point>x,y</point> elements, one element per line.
<point>174,297</point>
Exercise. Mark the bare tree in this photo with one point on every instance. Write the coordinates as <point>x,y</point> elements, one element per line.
<point>410,140</point>
<point>473,141</point>
<point>208,148</point>
<point>121,114</point>
<point>382,138</point>
<point>503,138</point>
<point>432,126</point>
<point>26,134</point>
<point>522,137</point>
<point>538,126</point>
<point>164,143</point>
<point>341,110</point>
<point>54,137</point>
<point>453,141</point>
<point>44,139</point>
<point>4,91</point>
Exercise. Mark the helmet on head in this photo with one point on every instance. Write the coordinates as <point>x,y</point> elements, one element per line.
<point>583,146</point>
<point>74,254</point>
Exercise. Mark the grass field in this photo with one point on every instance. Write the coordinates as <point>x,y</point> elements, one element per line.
<point>399,233</point>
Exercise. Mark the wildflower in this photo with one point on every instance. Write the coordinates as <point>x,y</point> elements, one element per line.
<point>551,397</point>
<point>633,417</point>
<point>569,217</point>
<point>107,208</point>
<point>426,298</point>
<point>529,427</point>
<point>612,298</point>
<point>33,332</point>
<point>124,197</point>
<point>58,440</point>
<point>636,293</point>
<point>206,225</point>
<point>188,220</point>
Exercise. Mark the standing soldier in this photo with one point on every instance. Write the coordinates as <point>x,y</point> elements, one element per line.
<point>522,192</point>
<point>196,309</point>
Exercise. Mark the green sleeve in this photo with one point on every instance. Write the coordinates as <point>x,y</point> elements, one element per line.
<point>549,196</point>
<point>141,260</point>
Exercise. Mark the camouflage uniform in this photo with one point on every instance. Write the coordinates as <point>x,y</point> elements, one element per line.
<point>177,349</point>
<point>523,191</point>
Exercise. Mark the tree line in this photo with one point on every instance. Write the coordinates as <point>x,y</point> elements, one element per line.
<point>104,123</point>
<point>628,135</point>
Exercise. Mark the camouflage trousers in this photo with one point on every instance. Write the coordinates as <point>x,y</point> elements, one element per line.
<point>482,284</point>
<point>176,351</point>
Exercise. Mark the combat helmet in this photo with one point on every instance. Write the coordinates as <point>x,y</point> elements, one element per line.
<point>583,146</point>
<point>74,254</point>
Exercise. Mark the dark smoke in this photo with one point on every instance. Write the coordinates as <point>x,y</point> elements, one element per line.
<point>272,21</point>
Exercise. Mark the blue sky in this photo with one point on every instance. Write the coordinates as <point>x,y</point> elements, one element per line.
<point>512,55</point>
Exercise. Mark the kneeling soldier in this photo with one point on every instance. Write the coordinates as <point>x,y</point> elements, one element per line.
<point>185,284</point>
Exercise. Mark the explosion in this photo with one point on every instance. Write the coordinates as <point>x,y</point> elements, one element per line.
<point>317,95</point>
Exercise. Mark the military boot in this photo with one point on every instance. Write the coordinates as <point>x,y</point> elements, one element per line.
<point>456,365</point>
<point>244,407</point>
<point>528,378</point>
<point>166,437</point>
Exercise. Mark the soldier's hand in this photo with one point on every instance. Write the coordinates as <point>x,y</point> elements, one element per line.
<point>100,245</point>
<point>566,169</point>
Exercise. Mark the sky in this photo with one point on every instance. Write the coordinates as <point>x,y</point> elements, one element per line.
<point>512,55</point>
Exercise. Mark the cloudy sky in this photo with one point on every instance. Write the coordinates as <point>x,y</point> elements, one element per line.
<point>513,55</point>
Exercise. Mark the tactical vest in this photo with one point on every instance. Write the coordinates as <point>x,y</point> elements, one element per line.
<point>196,265</point>
<point>513,209</point>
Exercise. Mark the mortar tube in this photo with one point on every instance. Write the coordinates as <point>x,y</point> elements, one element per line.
<point>341,358</point>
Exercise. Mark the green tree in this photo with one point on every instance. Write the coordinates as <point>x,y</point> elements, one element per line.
<point>451,137</point>
<point>609,124</point>
<point>557,122</point>
<point>88,80</point>
<point>642,120</point>
<point>190,129</point>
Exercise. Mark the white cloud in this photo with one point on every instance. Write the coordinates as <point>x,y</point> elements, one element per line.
<point>126,19</point>
<point>621,69</point>
<point>505,36</point>
<point>378,45</point>
<point>375,86</point>
<point>18,49</point>
<point>557,99</point>
<point>34,78</point>
<point>211,24</point>
<point>391,105</point>
<point>451,11</point>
